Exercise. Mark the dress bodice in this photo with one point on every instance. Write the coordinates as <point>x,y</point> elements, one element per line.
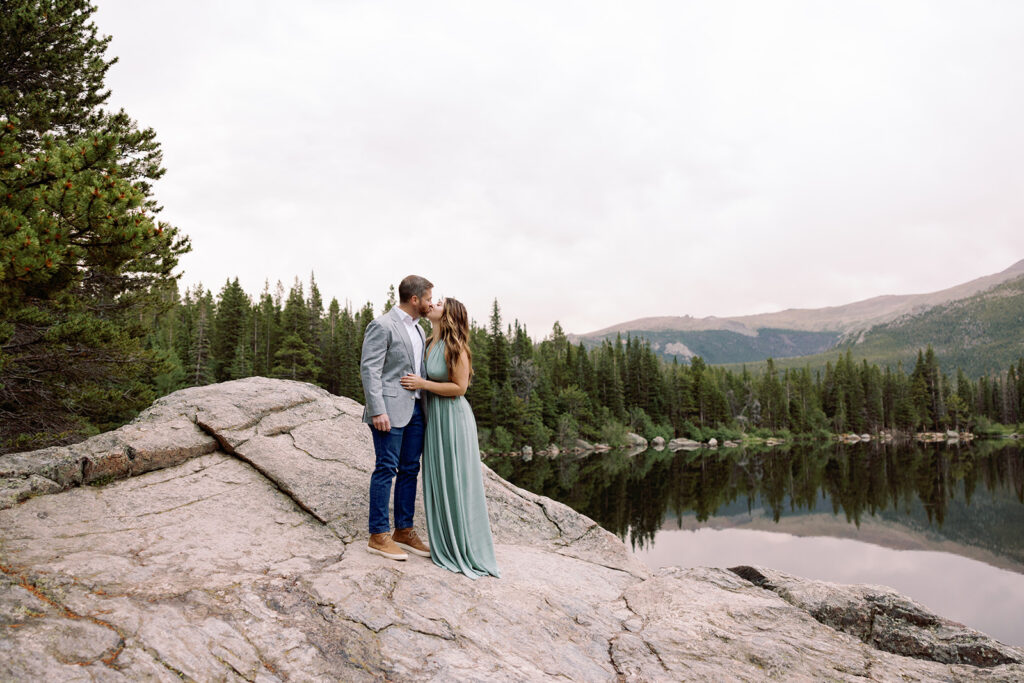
<point>437,369</point>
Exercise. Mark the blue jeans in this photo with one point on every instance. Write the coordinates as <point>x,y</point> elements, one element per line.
<point>398,458</point>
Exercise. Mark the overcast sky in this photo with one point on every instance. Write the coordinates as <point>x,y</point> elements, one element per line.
<point>585,162</point>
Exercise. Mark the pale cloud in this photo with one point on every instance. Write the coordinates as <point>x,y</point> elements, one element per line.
<point>585,162</point>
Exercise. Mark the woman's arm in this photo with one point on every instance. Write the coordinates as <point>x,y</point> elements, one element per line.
<point>456,387</point>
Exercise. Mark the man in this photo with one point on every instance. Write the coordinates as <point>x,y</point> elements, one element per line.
<point>393,347</point>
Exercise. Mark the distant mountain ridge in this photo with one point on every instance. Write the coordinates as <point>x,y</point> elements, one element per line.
<point>844,319</point>
<point>797,332</point>
<point>979,334</point>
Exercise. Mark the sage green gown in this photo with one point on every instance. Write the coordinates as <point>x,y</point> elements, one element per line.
<point>453,485</point>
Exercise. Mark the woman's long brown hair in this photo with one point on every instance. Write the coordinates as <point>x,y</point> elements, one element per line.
<point>454,329</point>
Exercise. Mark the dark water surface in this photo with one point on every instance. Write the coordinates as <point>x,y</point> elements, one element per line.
<point>941,524</point>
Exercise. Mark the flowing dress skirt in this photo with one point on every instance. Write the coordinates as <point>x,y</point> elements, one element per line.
<point>453,486</point>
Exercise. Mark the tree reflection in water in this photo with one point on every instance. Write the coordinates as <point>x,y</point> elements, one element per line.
<point>913,484</point>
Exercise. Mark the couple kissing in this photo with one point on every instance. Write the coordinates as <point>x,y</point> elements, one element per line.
<point>417,410</point>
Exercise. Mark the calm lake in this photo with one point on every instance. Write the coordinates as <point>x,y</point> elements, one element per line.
<point>941,524</point>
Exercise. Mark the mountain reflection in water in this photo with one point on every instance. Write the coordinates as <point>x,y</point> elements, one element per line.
<point>941,524</point>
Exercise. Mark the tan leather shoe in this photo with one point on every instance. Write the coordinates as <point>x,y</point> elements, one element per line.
<point>407,538</point>
<point>381,544</point>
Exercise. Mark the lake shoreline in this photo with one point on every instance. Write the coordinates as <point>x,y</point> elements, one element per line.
<point>745,440</point>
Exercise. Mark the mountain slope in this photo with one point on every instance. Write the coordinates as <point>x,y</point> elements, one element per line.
<point>978,325</point>
<point>848,318</point>
<point>726,346</point>
<point>982,333</point>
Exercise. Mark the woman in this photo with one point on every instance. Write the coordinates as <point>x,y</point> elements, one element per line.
<point>453,486</point>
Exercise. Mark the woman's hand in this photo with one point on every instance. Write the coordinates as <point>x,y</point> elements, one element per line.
<point>413,382</point>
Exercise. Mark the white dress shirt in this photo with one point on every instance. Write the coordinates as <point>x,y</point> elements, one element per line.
<point>417,342</point>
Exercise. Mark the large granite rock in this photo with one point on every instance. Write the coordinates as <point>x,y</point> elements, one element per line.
<point>635,440</point>
<point>681,444</point>
<point>223,538</point>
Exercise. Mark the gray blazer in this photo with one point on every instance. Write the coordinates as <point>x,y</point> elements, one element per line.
<point>386,358</point>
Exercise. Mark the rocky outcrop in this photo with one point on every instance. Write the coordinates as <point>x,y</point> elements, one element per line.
<point>582,446</point>
<point>159,438</point>
<point>681,444</point>
<point>939,437</point>
<point>884,619</point>
<point>223,539</point>
<point>634,440</point>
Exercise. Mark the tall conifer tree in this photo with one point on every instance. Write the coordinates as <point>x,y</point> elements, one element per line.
<point>230,330</point>
<point>82,257</point>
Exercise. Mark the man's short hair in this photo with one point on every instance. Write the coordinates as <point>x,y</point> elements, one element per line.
<point>413,285</point>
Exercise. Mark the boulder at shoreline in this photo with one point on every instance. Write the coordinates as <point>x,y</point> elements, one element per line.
<point>223,538</point>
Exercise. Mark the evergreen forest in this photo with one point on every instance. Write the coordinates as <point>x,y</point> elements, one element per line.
<point>536,393</point>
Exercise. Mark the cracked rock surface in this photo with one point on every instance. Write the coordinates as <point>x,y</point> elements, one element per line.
<point>224,537</point>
